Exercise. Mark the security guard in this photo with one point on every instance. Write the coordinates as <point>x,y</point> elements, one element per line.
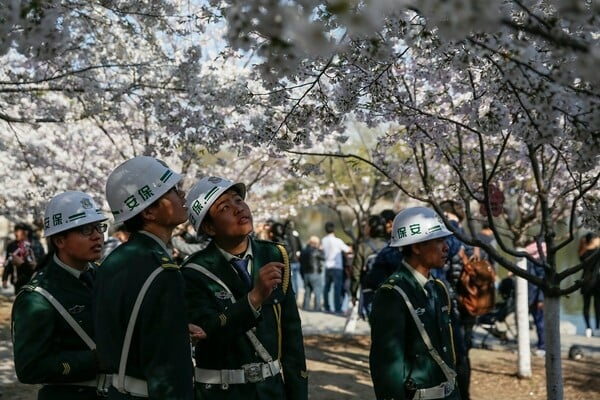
<point>52,315</point>
<point>411,314</point>
<point>139,315</point>
<point>238,290</point>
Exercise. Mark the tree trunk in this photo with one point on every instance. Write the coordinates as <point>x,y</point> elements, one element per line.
<point>522,317</point>
<point>554,385</point>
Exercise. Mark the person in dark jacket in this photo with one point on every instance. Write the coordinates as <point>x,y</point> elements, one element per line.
<point>588,245</point>
<point>23,255</point>
<point>412,350</point>
<point>53,336</point>
<point>535,293</point>
<point>238,290</point>
<point>139,307</point>
<point>311,269</point>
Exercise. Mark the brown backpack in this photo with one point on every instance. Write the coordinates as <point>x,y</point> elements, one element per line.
<point>476,286</point>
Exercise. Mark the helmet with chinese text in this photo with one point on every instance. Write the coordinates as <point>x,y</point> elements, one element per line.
<point>204,193</point>
<point>136,184</point>
<point>70,210</point>
<point>417,224</point>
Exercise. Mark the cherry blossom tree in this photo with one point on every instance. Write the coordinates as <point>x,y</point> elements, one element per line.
<point>483,97</point>
<point>87,85</point>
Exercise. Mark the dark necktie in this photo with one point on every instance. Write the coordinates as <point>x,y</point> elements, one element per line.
<point>429,287</point>
<point>241,266</point>
<point>86,278</point>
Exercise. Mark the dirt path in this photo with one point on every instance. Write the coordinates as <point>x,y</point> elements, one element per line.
<point>339,370</point>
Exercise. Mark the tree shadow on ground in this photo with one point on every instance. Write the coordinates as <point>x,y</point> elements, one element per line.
<point>338,367</point>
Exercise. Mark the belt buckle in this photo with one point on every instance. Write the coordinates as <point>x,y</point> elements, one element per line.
<point>252,372</point>
<point>448,388</point>
<point>102,385</point>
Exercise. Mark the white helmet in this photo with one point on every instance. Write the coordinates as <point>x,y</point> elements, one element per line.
<point>136,184</point>
<point>70,210</point>
<point>204,193</point>
<point>415,225</point>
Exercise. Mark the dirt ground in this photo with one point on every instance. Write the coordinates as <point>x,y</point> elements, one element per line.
<point>339,370</point>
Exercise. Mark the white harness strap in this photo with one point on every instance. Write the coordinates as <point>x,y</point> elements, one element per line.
<point>260,349</point>
<point>101,381</point>
<point>448,372</point>
<point>65,314</point>
<point>119,383</point>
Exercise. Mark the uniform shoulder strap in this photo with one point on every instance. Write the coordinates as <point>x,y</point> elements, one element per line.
<point>448,372</point>
<point>260,349</point>
<point>120,382</point>
<point>67,317</point>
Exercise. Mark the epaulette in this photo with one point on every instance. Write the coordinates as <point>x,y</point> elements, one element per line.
<point>34,281</point>
<point>386,286</point>
<point>268,241</point>
<point>32,284</point>
<point>165,261</point>
<point>170,265</point>
<point>28,288</point>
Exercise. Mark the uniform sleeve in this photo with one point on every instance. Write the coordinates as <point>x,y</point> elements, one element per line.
<point>386,358</point>
<point>37,358</point>
<point>292,349</point>
<point>164,340</point>
<point>222,325</point>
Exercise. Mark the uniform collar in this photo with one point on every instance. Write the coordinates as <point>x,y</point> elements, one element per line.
<point>159,241</point>
<point>422,280</point>
<point>75,272</point>
<point>247,254</point>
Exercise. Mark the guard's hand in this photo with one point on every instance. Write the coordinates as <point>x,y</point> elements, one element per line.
<point>196,333</point>
<point>269,277</point>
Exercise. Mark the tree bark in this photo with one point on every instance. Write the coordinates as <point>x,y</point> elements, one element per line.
<point>554,384</point>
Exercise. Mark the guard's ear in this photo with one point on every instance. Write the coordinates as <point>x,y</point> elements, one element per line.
<point>208,228</point>
<point>416,248</point>
<point>149,214</point>
<point>58,241</point>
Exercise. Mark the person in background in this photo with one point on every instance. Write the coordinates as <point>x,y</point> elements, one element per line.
<point>486,235</point>
<point>22,257</point>
<point>294,246</point>
<point>238,290</point>
<point>388,216</point>
<point>334,249</point>
<point>117,235</point>
<point>312,260</point>
<point>590,288</point>
<point>412,351</point>
<point>52,331</point>
<point>374,239</point>
<point>140,319</point>
<point>461,319</point>
<point>388,259</point>
<point>183,242</point>
<point>535,293</point>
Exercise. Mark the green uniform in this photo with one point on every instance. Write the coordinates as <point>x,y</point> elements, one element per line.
<point>225,322</point>
<point>398,352</point>
<point>46,349</point>
<point>160,348</point>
